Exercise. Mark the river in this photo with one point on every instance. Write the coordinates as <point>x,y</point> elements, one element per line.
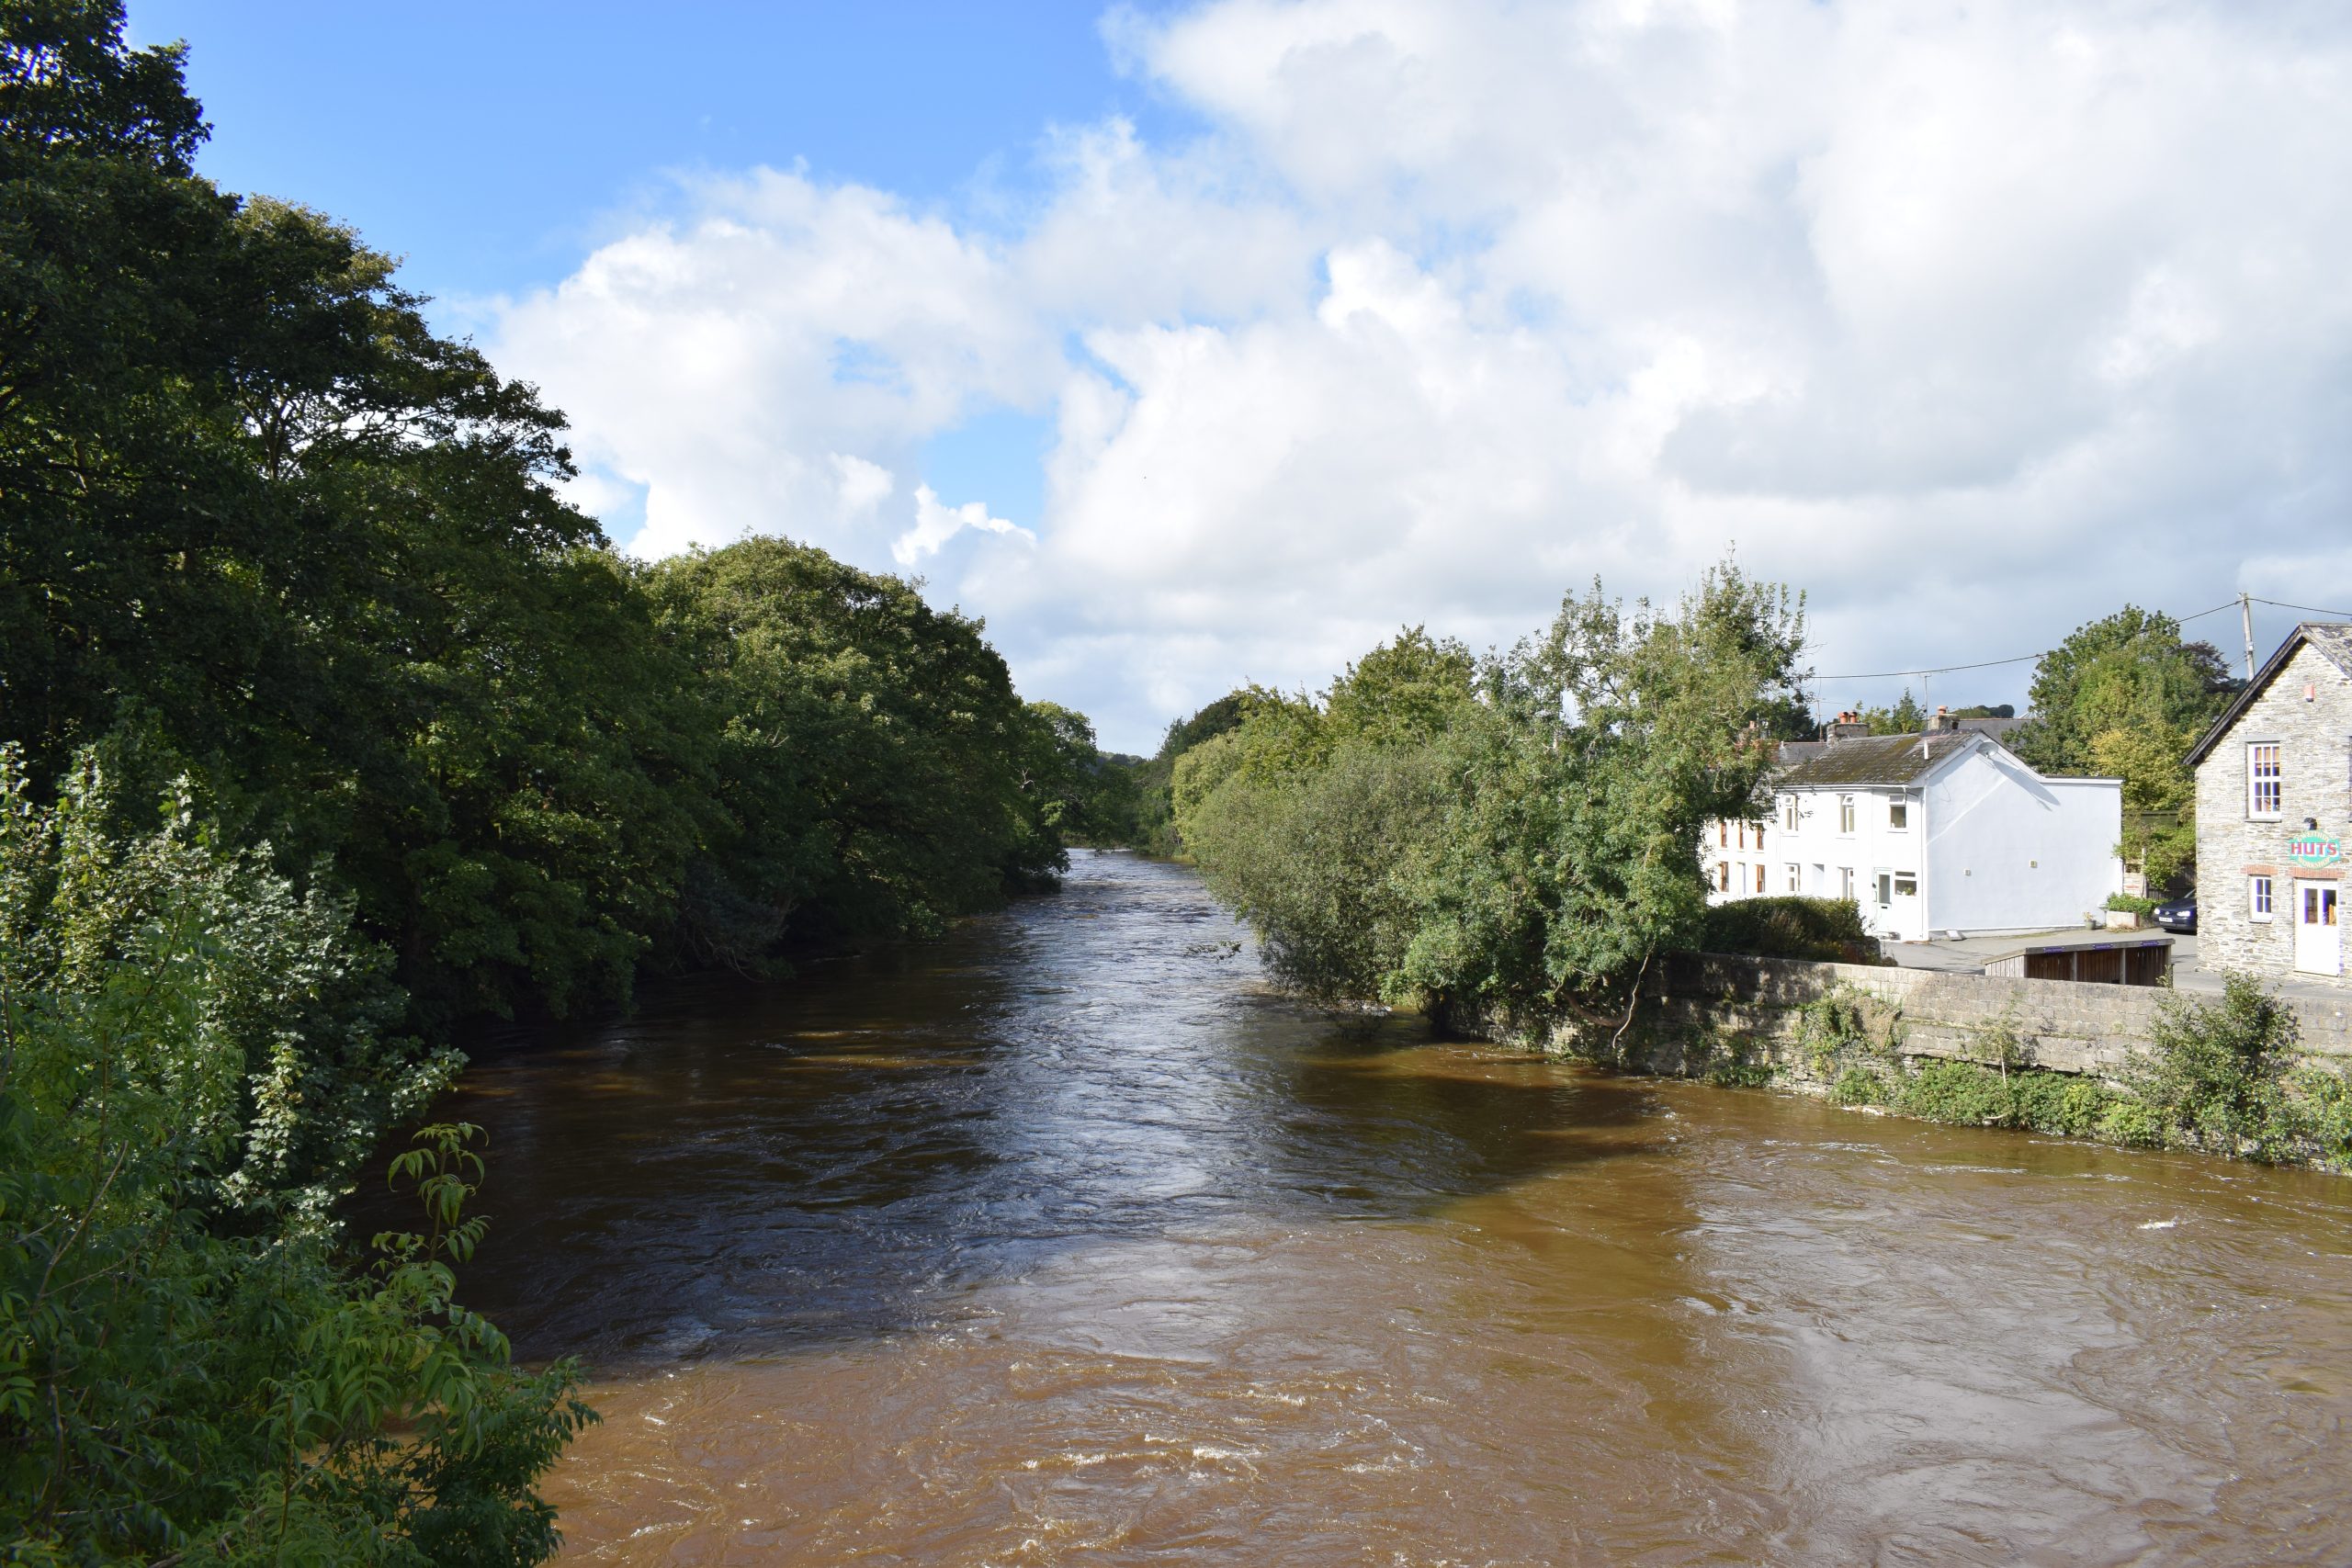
<point>1066,1240</point>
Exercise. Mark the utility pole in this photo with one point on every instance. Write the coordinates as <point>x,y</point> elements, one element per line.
<point>2245,619</point>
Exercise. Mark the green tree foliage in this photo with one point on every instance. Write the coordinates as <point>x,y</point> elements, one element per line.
<point>194,1058</point>
<point>1518,832</point>
<point>1905,717</point>
<point>2125,697</point>
<point>1149,820</point>
<point>253,507</point>
<point>875,771</point>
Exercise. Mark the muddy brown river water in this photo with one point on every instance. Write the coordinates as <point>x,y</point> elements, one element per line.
<point>1068,1242</point>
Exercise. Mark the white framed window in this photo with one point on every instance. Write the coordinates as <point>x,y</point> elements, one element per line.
<point>1759,876</point>
<point>1886,889</point>
<point>1906,884</point>
<point>1722,835</point>
<point>1846,814</point>
<point>2264,792</point>
<point>1789,812</point>
<point>2257,897</point>
<point>1898,816</point>
<point>1723,877</point>
<point>1796,879</point>
<point>1844,881</point>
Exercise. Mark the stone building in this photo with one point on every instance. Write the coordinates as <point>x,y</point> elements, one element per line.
<point>2274,797</point>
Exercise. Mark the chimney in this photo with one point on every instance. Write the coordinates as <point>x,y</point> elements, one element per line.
<point>1846,727</point>
<point>1942,722</point>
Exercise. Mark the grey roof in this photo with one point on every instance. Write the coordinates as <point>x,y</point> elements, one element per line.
<point>2332,638</point>
<point>1870,759</point>
<point>1994,726</point>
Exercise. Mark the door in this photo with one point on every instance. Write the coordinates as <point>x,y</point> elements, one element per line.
<point>2319,941</point>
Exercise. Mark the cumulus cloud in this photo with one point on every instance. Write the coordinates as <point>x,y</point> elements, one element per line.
<point>1972,320</point>
<point>935,524</point>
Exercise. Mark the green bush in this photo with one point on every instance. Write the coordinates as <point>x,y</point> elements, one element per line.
<point>195,1066</point>
<point>2124,903</point>
<point>2128,1121</point>
<point>2215,1074</point>
<point>1858,1085</point>
<point>1827,931</point>
<point>2056,1102</point>
<point>1957,1091</point>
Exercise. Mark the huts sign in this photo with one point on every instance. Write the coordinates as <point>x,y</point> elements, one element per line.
<point>2314,849</point>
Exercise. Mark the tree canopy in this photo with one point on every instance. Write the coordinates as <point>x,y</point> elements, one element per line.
<point>2125,697</point>
<point>1517,833</point>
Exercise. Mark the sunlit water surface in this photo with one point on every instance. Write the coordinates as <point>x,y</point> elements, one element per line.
<point>1066,1241</point>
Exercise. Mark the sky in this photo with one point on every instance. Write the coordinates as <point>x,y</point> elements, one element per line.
<point>1196,344</point>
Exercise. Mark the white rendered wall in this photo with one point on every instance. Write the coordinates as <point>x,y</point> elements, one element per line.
<point>1822,849</point>
<point>2009,851</point>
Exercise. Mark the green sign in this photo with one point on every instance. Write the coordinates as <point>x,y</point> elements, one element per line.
<point>2314,849</point>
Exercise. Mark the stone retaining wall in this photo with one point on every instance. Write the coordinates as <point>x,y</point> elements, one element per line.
<point>2064,1026</point>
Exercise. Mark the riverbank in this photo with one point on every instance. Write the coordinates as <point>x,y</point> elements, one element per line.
<point>2132,1066</point>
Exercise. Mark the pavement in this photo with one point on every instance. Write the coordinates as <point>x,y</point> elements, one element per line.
<point>1969,955</point>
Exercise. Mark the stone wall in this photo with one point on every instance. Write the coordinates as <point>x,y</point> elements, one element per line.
<point>1708,1000</point>
<point>2315,740</point>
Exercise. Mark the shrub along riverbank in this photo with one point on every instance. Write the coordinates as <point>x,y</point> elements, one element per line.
<point>276,555</point>
<point>2221,1074</point>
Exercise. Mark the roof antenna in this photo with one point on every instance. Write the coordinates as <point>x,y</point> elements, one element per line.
<point>1927,690</point>
<point>2245,618</point>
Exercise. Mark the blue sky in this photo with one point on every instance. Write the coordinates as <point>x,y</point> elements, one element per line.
<point>1196,343</point>
<point>493,142</point>
<point>492,145</point>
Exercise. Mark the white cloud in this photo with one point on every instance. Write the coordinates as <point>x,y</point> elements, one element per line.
<point>935,524</point>
<point>1974,319</point>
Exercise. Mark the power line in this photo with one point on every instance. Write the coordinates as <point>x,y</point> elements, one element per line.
<point>2313,609</point>
<point>2030,657</point>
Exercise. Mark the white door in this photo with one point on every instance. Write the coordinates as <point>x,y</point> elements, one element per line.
<point>2319,940</point>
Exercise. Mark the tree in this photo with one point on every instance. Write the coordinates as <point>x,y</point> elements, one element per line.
<point>1523,841</point>
<point>2126,697</point>
<point>1905,717</point>
<point>2130,670</point>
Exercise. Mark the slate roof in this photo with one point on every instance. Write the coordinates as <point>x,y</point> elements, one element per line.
<point>1869,759</point>
<point>2332,638</point>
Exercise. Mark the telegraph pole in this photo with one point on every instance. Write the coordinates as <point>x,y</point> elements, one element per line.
<point>2245,619</point>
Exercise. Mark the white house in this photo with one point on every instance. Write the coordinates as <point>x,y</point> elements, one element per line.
<point>1929,834</point>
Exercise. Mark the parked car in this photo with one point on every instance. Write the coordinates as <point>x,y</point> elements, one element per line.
<point>2178,914</point>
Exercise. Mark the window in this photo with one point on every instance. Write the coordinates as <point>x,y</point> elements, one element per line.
<point>1796,883</point>
<point>1743,835</point>
<point>1898,815</point>
<point>2257,897</point>
<point>1906,884</point>
<point>1845,813</point>
<point>1886,889</point>
<point>1722,835</point>
<point>1844,881</point>
<point>1723,877</point>
<point>2264,795</point>
<point>1759,877</point>
<point>1789,812</point>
